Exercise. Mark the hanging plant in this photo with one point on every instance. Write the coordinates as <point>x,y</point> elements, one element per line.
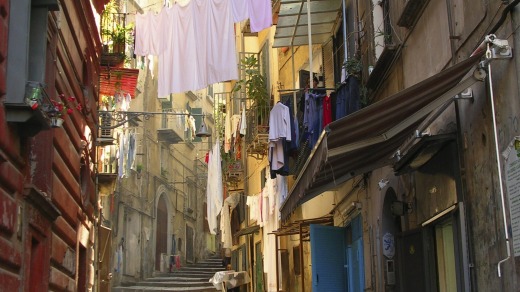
<point>353,66</point>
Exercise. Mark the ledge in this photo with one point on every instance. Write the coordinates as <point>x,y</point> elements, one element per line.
<point>41,201</point>
<point>382,66</point>
<point>30,122</point>
<point>411,12</point>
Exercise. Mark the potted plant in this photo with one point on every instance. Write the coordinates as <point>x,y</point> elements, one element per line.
<point>255,86</point>
<point>353,66</point>
<point>118,35</point>
<point>59,109</point>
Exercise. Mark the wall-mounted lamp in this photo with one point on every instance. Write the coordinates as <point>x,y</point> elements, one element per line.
<point>382,183</point>
<point>353,207</point>
<point>419,134</point>
<point>399,208</point>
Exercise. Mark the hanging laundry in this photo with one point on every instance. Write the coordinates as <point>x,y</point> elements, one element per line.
<point>260,14</point>
<point>195,43</point>
<point>240,10</point>
<point>327,111</point>
<point>347,100</point>
<point>279,134</point>
<point>146,40</point>
<point>243,123</point>
<point>131,152</point>
<point>192,126</point>
<point>310,119</point>
<point>214,188</point>
<point>227,133</point>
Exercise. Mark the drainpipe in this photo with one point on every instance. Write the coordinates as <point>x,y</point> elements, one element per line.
<point>378,256</point>
<point>505,12</point>
<point>309,34</point>
<point>499,165</point>
<point>345,33</point>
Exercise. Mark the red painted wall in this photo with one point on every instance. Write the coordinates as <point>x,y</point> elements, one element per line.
<point>40,176</point>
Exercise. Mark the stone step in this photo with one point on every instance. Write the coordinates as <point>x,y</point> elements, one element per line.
<point>177,278</point>
<point>190,278</point>
<point>186,274</point>
<point>162,289</point>
<point>175,283</point>
<point>196,269</point>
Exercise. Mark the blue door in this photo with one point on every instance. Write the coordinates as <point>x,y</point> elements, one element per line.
<point>357,275</point>
<point>328,258</point>
<point>349,269</point>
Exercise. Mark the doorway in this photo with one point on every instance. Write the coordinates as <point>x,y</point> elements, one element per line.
<point>161,235</point>
<point>429,256</point>
<point>337,257</point>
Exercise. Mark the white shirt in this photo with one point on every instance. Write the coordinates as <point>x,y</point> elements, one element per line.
<point>279,122</point>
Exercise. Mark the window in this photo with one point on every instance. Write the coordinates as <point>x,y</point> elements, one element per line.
<point>192,193</point>
<point>445,256</point>
<point>264,64</point>
<point>382,27</point>
<point>27,51</point>
<point>163,158</point>
<point>296,260</point>
<point>198,121</point>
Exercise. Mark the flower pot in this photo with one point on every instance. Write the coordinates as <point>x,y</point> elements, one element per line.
<point>34,104</point>
<point>56,122</point>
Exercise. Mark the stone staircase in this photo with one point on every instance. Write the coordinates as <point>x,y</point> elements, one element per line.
<point>190,278</point>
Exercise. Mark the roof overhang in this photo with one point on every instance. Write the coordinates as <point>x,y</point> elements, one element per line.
<point>422,152</point>
<point>302,227</point>
<point>368,139</point>
<point>247,230</point>
<point>292,26</point>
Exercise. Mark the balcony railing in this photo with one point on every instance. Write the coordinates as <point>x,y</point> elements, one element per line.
<point>108,160</point>
<point>257,137</point>
<point>115,34</point>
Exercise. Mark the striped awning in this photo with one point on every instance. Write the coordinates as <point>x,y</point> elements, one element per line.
<point>120,80</point>
<point>367,139</point>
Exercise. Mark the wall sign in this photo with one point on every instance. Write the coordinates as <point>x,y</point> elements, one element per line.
<point>388,245</point>
<point>513,192</point>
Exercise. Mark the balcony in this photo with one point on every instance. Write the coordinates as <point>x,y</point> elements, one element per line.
<point>251,90</point>
<point>107,165</point>
<point>257,136</point>
<point>172,127</point>
<point>233,172</point>
<point>115,34</point>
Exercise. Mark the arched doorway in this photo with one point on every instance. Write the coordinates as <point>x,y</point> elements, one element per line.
<point>161,235</point>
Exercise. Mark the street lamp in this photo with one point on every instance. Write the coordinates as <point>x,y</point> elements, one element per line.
<point>203,130</point>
